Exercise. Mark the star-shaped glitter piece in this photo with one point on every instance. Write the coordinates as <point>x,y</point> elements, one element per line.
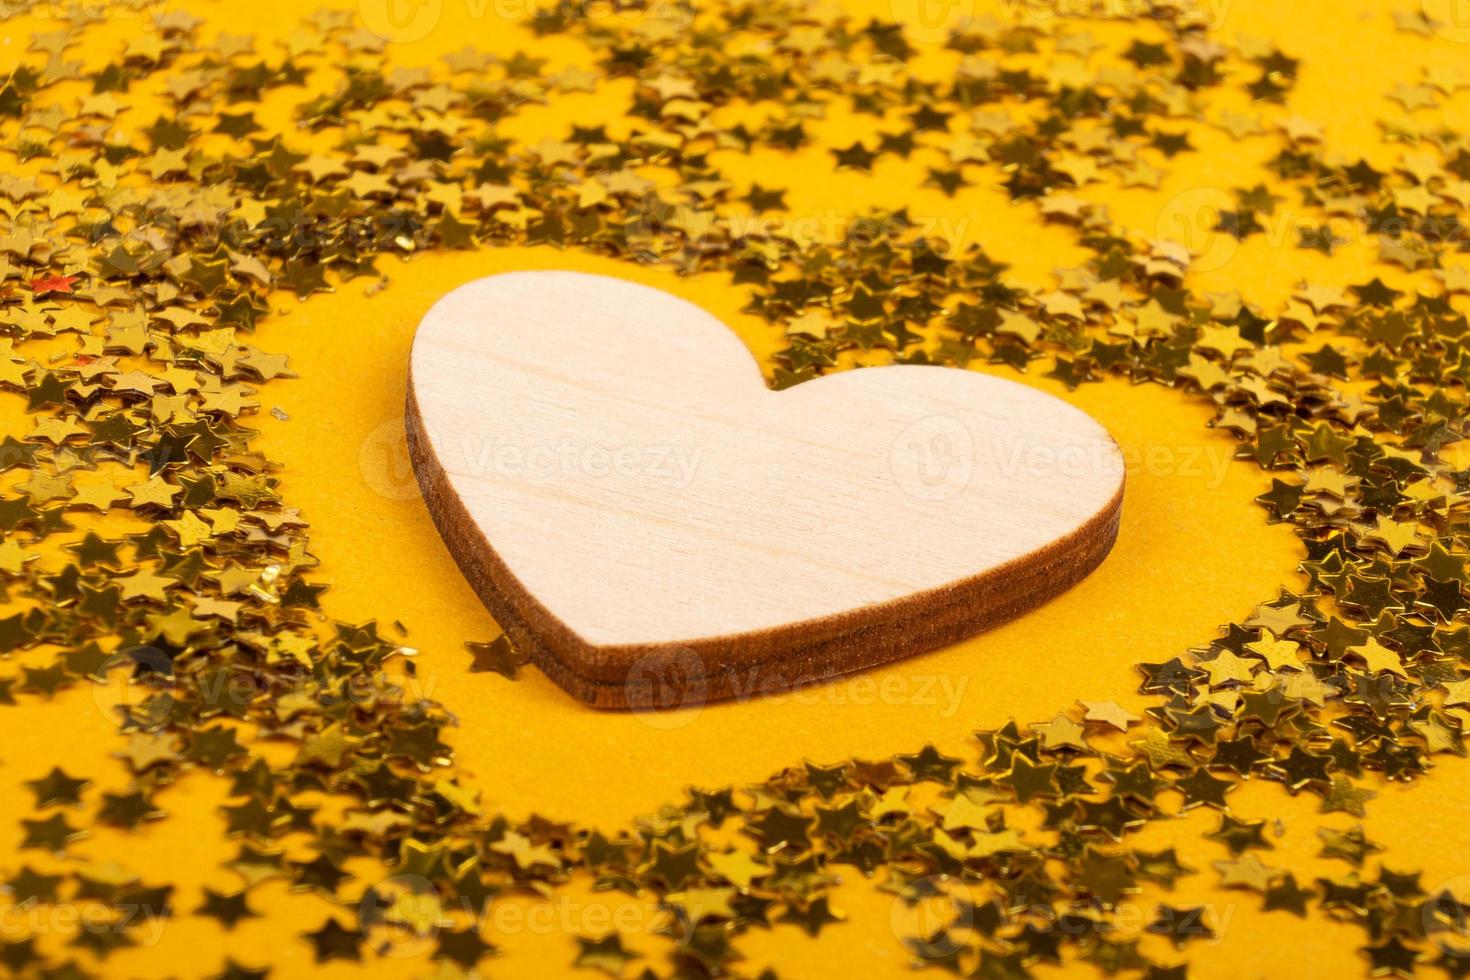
<point>1108,713</point>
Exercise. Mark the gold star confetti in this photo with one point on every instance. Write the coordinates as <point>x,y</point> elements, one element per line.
<point>127,316</point>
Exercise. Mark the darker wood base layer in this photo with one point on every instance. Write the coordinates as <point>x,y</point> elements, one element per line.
<point>669,676</point>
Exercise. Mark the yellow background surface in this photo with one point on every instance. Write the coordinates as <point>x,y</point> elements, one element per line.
<point>1194,552</point>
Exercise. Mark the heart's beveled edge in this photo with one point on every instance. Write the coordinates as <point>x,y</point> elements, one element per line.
<point>719,668</point>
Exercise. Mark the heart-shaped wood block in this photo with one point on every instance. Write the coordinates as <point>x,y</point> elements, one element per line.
<point>655,526</point>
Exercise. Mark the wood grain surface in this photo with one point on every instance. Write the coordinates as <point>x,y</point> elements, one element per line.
<point>656,527</point>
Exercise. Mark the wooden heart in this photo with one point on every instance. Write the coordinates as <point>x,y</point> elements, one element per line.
<point>653,525</point>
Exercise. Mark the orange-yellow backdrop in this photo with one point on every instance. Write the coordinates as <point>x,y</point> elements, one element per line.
<point>1194,552</point>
